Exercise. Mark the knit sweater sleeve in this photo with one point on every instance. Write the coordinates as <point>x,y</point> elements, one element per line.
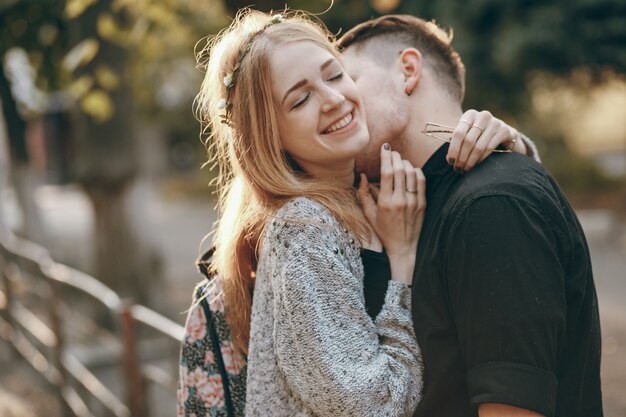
<point>335,359</point>
<point>531,147</point>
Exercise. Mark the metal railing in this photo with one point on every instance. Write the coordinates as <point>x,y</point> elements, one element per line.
<point>37,331</point>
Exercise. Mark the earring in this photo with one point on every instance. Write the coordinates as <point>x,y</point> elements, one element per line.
<point>407,91</point>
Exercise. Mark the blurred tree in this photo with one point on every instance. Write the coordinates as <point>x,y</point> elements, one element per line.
<point>106,54</point>
<point>508,46</point>
<point>505,43</point>
<point>106,160</point>
<point>35,27</point>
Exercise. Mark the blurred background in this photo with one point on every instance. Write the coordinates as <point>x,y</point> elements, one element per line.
<point>100,156</point>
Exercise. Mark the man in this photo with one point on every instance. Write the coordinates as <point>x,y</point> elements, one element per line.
<point>504,303</point>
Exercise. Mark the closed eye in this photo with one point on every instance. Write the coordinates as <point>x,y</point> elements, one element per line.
<point>337,76</point>
<point>300,102</point>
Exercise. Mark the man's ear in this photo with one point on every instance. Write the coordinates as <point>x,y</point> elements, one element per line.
<point>411,64</point>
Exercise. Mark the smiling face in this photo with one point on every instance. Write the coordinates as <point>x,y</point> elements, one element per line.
<point>320,115</point>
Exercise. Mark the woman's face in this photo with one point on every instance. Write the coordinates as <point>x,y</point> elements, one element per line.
<point>320,115</point>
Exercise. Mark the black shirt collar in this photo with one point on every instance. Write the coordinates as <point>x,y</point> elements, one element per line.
<point>437,167</point>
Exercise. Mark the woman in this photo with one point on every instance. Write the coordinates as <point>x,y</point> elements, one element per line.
<point>286,133</point>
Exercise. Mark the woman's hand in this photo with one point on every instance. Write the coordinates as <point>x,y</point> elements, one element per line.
<point>477,135</point>
<point>398,214</point>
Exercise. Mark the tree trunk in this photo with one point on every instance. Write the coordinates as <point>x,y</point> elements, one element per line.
<point>120,255</point>
<point>106,165</point>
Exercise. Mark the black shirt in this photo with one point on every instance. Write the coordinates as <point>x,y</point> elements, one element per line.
<point>504,304</point>
<point>377,274</point>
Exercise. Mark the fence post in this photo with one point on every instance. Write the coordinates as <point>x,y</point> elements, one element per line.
<point>54,312</point>
<point>135,383</point>
<point>8,329</point>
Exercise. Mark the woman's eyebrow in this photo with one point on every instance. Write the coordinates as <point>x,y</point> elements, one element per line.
<point>294,87</point>
<point>327,63</point>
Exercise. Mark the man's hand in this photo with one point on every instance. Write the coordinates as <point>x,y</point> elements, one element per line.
<point>503,410</point>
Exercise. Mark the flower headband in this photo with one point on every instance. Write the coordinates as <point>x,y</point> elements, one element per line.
<point>230,78</point>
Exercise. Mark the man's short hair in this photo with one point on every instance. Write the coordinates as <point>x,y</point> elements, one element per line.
<point>407,31</point>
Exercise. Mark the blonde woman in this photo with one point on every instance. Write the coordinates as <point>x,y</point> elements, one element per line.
<point>286,124</point>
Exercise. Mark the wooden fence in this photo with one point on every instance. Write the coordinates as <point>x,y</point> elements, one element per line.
<point>44,305</point>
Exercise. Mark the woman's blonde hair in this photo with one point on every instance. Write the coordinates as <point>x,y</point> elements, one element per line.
<point>256,176</point>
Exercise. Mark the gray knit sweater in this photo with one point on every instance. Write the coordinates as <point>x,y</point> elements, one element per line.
<point>313,349</point>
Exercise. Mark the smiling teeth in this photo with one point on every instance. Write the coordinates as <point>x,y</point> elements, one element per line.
<point>342,123</point>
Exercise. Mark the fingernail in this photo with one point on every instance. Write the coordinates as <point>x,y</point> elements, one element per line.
<point>387,147</point>
<point>451,161</point>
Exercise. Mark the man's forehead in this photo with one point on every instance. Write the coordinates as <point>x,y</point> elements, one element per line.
<point>357,61</point>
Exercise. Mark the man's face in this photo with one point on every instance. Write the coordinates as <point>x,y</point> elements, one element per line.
<point>381,91</point>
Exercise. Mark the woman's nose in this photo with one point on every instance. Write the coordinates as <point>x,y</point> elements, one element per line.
<point>332,99</point>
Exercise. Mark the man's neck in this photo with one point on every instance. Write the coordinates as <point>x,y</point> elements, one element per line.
<point>419,147</point>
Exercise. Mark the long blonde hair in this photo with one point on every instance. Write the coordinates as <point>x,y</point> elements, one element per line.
<point>256,177</point>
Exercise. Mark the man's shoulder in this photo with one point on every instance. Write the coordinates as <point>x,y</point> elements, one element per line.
<point>510,175</point>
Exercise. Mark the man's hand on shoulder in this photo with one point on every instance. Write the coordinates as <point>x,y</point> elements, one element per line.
<point>503,410</point>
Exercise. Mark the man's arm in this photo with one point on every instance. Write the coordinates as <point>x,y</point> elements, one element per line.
<point>506,292</point>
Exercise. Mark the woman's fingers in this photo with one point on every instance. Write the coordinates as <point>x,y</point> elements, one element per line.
<point>421,188</point>
<point>367,201</point>
<point>484,143</point>
<point>461,130</point>
<point>503,135</point>
<point>421,197</point>
<point>399,177</point>
<point>386,172</point>
<point>411,184</point>
<point>475,131</point>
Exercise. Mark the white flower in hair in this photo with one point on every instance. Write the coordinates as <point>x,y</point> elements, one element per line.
<point>221,104</point>
<point>228,80</point>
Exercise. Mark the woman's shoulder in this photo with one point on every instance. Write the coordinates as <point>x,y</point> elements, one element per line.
<point>302,219</point>
<point>304,210</point>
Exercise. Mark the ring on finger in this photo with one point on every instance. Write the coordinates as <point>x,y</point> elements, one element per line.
<point>482,129</point>
<point>465,121</point>
<point>411,190</point>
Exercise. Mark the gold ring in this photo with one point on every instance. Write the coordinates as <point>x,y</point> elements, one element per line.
<point>465,121</point>
<point>408,190</point>
<point>482,129</point>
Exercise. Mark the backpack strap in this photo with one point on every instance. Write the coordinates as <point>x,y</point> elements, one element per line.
<point>203,263</point>
<point>216,345</point>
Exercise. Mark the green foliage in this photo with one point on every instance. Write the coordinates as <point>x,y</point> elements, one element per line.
<point>502,42</point>
<point>38,27</point>
<point>577,175</point>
